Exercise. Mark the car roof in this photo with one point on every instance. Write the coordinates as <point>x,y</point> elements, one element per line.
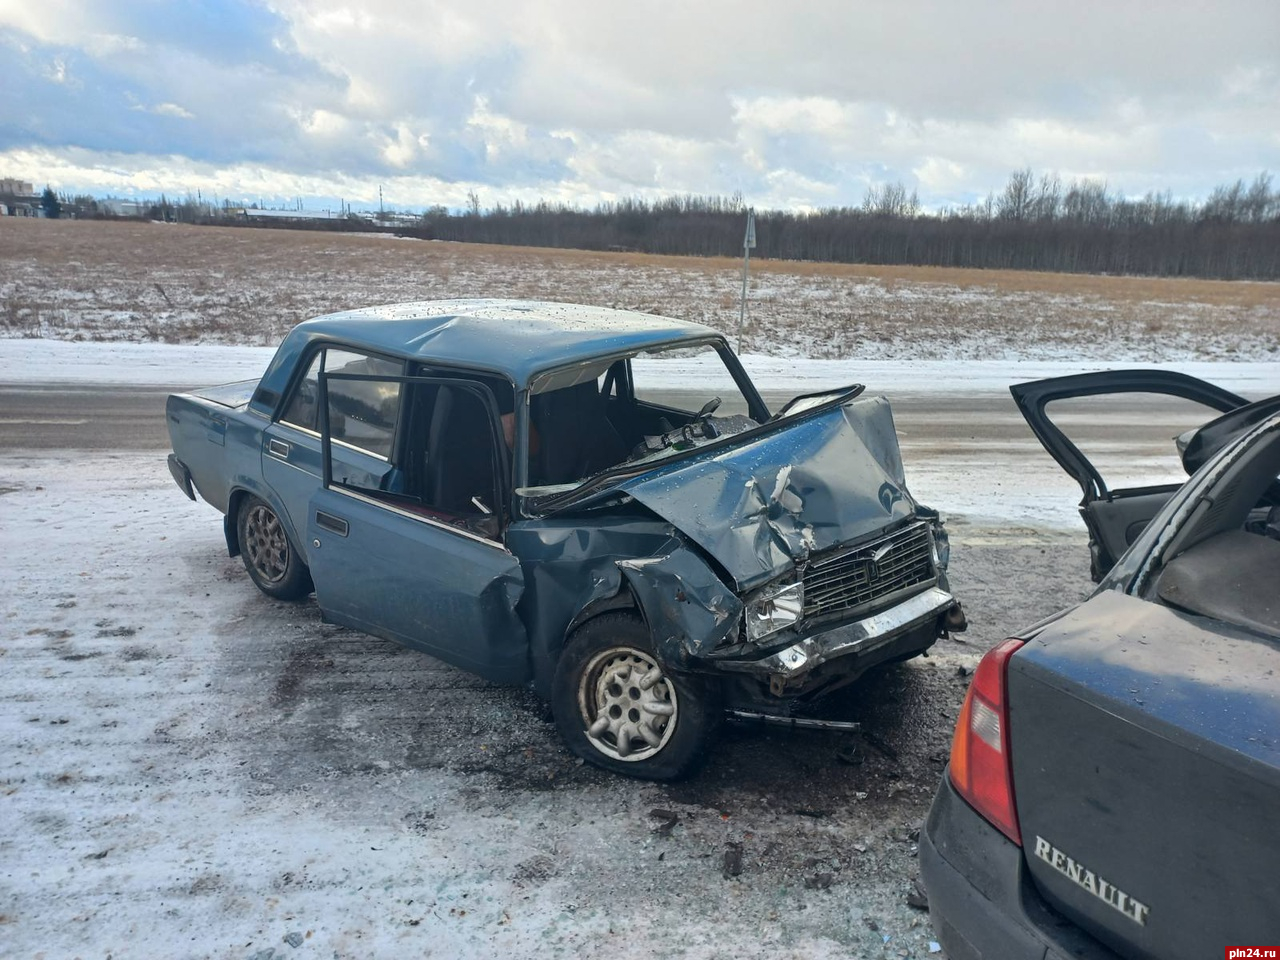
<point>517,338</point>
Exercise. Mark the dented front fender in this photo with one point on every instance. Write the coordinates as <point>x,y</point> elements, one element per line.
<point>690,611</point>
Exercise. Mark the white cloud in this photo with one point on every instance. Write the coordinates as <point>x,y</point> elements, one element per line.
<point>799,104</point>
<point>166,110</point>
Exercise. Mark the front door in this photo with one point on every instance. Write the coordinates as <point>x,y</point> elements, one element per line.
<point>424,564</point>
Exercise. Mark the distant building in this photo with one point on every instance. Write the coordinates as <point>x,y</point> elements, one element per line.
<point>253,214</point>
<point>17,188</point>
<point>124,208</point>
<point>18,198</point>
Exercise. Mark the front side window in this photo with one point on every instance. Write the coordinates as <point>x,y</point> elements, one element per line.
<point>448,466</point>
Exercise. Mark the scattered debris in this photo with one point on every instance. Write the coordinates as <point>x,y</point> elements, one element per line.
<point>668,818</point>
<point>732,859</point>
<point>919,897</point>
<point>293,939</point>
<point>819,881</point>
<point>536,869</point>
<point>850,755</point>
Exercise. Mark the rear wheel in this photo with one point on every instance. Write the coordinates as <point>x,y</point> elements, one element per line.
<point>617,707</point>
<point>271,560</point>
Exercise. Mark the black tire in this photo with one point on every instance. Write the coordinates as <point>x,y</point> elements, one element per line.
<point>662,731</point>
<point>273,563</point>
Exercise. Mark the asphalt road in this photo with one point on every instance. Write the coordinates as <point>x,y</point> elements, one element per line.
<point>87,417</point>
<point>100,418</point>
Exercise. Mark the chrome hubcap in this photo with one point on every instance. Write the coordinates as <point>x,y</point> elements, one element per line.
<point>628,705</point>
<point>266,545</point>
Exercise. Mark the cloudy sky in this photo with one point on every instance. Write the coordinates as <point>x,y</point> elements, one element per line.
<point>794,105</point>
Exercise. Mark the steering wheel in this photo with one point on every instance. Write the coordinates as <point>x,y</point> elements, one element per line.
<point>708,408</point>
<point>703,417</point>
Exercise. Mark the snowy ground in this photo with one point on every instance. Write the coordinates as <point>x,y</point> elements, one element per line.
<point>191,770</point>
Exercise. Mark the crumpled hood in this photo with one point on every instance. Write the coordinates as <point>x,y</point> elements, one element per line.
<point>759,508</point>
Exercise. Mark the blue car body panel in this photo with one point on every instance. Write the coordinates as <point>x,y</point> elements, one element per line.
<point>764,506</point>
<point>423,585</point>
<point>531,337</point>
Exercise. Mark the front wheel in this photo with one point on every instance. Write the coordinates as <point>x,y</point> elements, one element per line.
<point>618,708</point>
<point>271,560</point>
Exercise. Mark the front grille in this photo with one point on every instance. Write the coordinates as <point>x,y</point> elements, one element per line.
<point>858,578</point>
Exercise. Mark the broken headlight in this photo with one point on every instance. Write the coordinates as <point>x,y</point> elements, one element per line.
<point>775,609</point>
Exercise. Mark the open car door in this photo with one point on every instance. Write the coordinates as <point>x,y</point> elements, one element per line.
<point>1116,517</point>
<point>420,558</point>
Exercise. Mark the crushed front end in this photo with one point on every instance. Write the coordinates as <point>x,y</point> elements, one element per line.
<point>802,559</point>
<point>846,610</point>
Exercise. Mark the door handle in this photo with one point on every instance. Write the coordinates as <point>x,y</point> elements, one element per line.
<point>331,523</point>
<point>278,448</point>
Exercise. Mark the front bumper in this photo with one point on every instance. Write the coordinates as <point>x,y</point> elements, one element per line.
<point>860,637</point>
<point>981,898</point>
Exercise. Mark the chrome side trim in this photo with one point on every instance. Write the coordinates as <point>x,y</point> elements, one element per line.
<point>391,508</point>
<point>342,443</point>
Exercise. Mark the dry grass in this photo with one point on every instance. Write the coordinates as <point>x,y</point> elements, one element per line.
<point>175,283</point>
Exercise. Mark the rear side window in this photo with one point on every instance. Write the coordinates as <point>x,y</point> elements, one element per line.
<point>363,414</point>
<point>303,409</point>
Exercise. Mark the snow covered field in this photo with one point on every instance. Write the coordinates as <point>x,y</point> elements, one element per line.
<point>181,284</point>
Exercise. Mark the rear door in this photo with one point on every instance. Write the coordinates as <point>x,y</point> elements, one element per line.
<point>420,559</point>
<point>1146,771</point>
<point>1116,515</point>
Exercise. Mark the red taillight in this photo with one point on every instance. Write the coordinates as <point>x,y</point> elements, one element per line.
<point>981,767</point>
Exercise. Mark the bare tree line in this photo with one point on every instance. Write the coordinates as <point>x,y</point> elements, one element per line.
<point>1033,223</point>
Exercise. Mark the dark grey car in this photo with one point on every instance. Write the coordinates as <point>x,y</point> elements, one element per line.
<point>1114,785</point>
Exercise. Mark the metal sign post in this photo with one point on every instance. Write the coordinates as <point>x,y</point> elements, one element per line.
<point>748,244</point>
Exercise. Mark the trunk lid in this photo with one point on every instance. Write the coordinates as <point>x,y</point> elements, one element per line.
<point>762,506</point>
<point>232,395</point>
<point>1155,823</point>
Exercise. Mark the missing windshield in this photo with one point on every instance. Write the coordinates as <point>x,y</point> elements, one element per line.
<point>604,415</point>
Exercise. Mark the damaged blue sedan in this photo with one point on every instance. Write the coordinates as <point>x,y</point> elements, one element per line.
<point>515,488</point>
